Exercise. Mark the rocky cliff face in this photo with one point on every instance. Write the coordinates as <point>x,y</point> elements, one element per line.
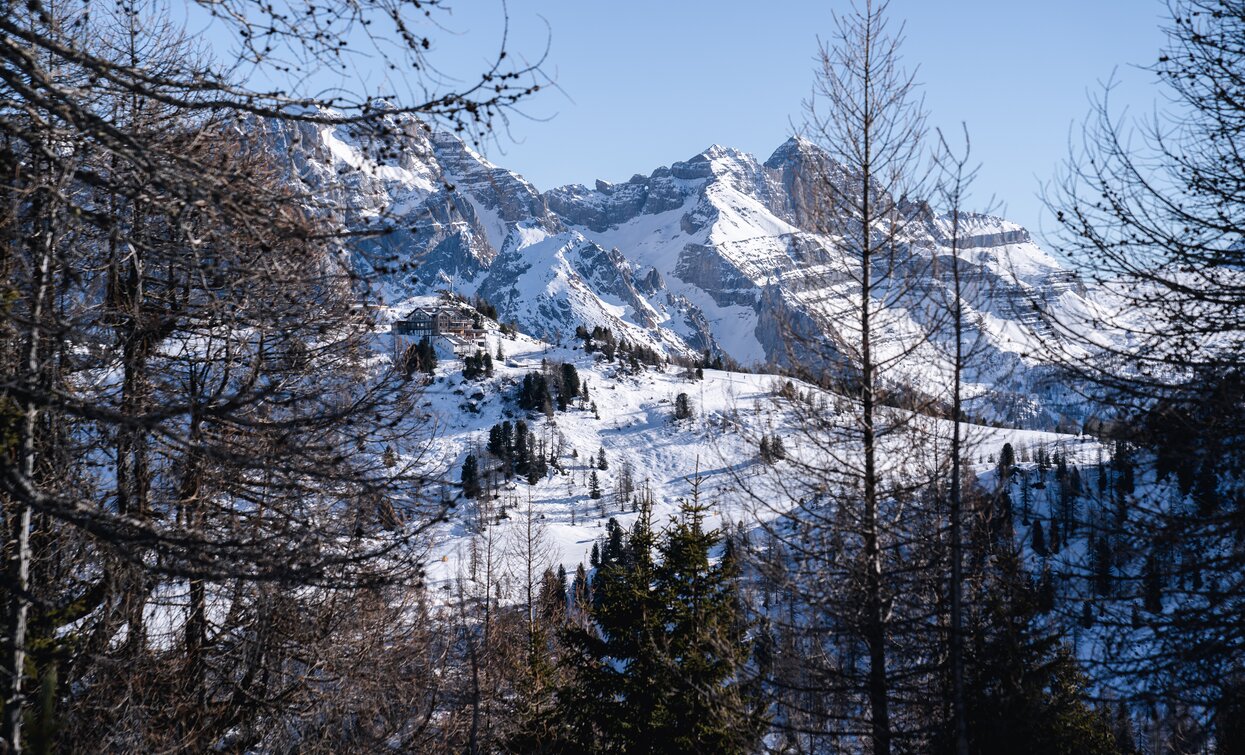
<point>719,252</point>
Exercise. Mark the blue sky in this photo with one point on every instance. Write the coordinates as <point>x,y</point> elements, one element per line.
<point>645,82</point>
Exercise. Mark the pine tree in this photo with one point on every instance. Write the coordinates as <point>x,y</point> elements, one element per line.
<point>594,486</point>
<point>601,463</point>
<point>766,454</point>
<point>1100,549</point>
<point>534,393</point>
<point>581,591</point>
<point>470,477</point>
<point>1039,539</point>
<point>1046,591</point>
<point>420,357</point>
<point>1025,693</point>
<point>1007,461</point>
<point>522,454</point>
<point>607,702</point>
<point>711,705</point>
<point>570,381</point>
<point>660,666</point>
<point>538,464</point>
<point>1152,585</point>
<point>682,407</point>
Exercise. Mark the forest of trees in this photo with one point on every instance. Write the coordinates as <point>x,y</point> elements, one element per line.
<point>215,506</point>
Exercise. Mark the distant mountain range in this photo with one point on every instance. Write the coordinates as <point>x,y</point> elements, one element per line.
<point>716,253</point>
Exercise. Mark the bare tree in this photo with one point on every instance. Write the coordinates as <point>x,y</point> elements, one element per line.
<point>844,509</point>
<point>1151,212</point>
<point>965,291</point>
<point>188,396</point>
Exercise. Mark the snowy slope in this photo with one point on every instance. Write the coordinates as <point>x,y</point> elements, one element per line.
<point>636,428</point>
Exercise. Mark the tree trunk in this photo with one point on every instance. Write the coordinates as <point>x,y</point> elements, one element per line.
<point>19,566</point>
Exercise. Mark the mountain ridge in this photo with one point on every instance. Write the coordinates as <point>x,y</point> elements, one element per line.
<point>720,252</point>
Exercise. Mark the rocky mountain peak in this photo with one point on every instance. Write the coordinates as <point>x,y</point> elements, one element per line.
<point>718,252</point>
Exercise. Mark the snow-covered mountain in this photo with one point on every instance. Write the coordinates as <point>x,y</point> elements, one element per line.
<point>719,252</point>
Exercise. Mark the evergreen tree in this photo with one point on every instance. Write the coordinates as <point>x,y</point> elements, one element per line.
<point>1039,539</point>
<point>1025,691</point>
<point>1046,591</point>
<point>470,477</point>
<point>1002,527</point>
<point>777,450</point>
<point>534,393</point>
<point>563,585</point>
<point>1100,548</point>
<point>420,357</point>
<point>594,486</point>
<point>1007,461</point>
<point>522,453</point>
<point>660,666</point>
<point>1152,585</point>
<point>570,381</point>
<point>607,702</point>
<point>682,407</point>
<point>537,464</point>
<point>477,365</point>
<point>711,705</point>
<point>581,589</point>
<point>601,462</point>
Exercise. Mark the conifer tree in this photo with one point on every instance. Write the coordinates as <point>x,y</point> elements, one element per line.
<point>470,477</point>
<point>581,591</point>
<point>1025,691</point>
<point>1101,553</point>
<point>538,466</point>
<point>570,381</point>
<point>607,702</point>
<point>1152,585</point>
<point>777,450</point>
<point>1007,460</point>
<point>661,664</point>
<point>1039,539</point>
<point>712,704</point>
<point>682,407</point>
<point>522,453</point>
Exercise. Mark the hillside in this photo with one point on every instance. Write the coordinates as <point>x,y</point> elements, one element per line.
<point>639,433</point>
